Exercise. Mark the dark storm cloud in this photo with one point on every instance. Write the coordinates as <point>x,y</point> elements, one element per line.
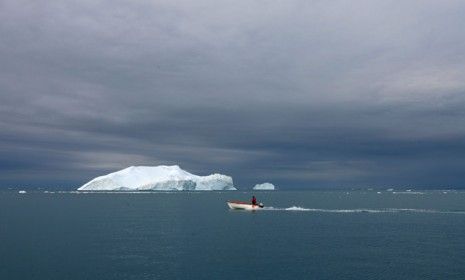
<point>300,93</point>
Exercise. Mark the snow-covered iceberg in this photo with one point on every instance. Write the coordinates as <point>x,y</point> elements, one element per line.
<point>158,178</point>
<point>264,187</point>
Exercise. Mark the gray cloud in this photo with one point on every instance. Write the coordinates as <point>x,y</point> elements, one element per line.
<point>301,93</point>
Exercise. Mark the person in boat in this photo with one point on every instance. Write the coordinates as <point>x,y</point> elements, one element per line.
<point>254,200</point>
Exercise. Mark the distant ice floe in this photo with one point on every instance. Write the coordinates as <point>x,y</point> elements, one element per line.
<point>264,187</point>
<point>408,192</point>
<point>158,178</point>
<point>22,192</point>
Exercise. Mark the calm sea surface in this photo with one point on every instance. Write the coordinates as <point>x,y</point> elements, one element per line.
<point>192,235</point>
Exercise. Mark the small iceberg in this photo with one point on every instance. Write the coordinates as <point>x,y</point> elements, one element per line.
<point>158,178</point>
<point>22,192</point>
<point>264,187</point>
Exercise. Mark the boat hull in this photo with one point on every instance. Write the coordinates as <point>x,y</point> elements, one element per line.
<point>238,205</point>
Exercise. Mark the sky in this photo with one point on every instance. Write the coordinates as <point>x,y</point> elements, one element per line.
<point>303,94</point>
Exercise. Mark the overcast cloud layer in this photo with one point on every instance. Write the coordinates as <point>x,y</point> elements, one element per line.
<point>300,93</point>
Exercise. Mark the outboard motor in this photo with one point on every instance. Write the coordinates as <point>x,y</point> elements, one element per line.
<point>260,205</point>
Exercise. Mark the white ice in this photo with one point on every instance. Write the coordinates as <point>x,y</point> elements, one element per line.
<point>158,178</point>
<point>264,186</point>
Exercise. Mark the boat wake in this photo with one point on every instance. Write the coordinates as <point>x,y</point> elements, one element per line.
<point>363,210</point>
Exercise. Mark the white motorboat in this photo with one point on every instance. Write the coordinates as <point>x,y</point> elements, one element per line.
<point>239,205</point>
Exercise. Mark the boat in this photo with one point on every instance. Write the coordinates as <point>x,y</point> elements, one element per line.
<point>239,205</point>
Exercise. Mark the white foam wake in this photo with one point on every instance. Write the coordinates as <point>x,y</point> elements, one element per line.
<point>364,210</point>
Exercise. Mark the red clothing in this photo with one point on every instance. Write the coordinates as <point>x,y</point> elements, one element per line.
<point>254,201</point>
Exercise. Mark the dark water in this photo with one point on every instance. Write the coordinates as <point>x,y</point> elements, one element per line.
<point>339,235</point>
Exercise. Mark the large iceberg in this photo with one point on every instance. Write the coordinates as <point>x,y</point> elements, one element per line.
<point>264,187</point>
<point>158,178</point>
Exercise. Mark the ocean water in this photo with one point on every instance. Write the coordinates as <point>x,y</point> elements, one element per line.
<point>192,235</point>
